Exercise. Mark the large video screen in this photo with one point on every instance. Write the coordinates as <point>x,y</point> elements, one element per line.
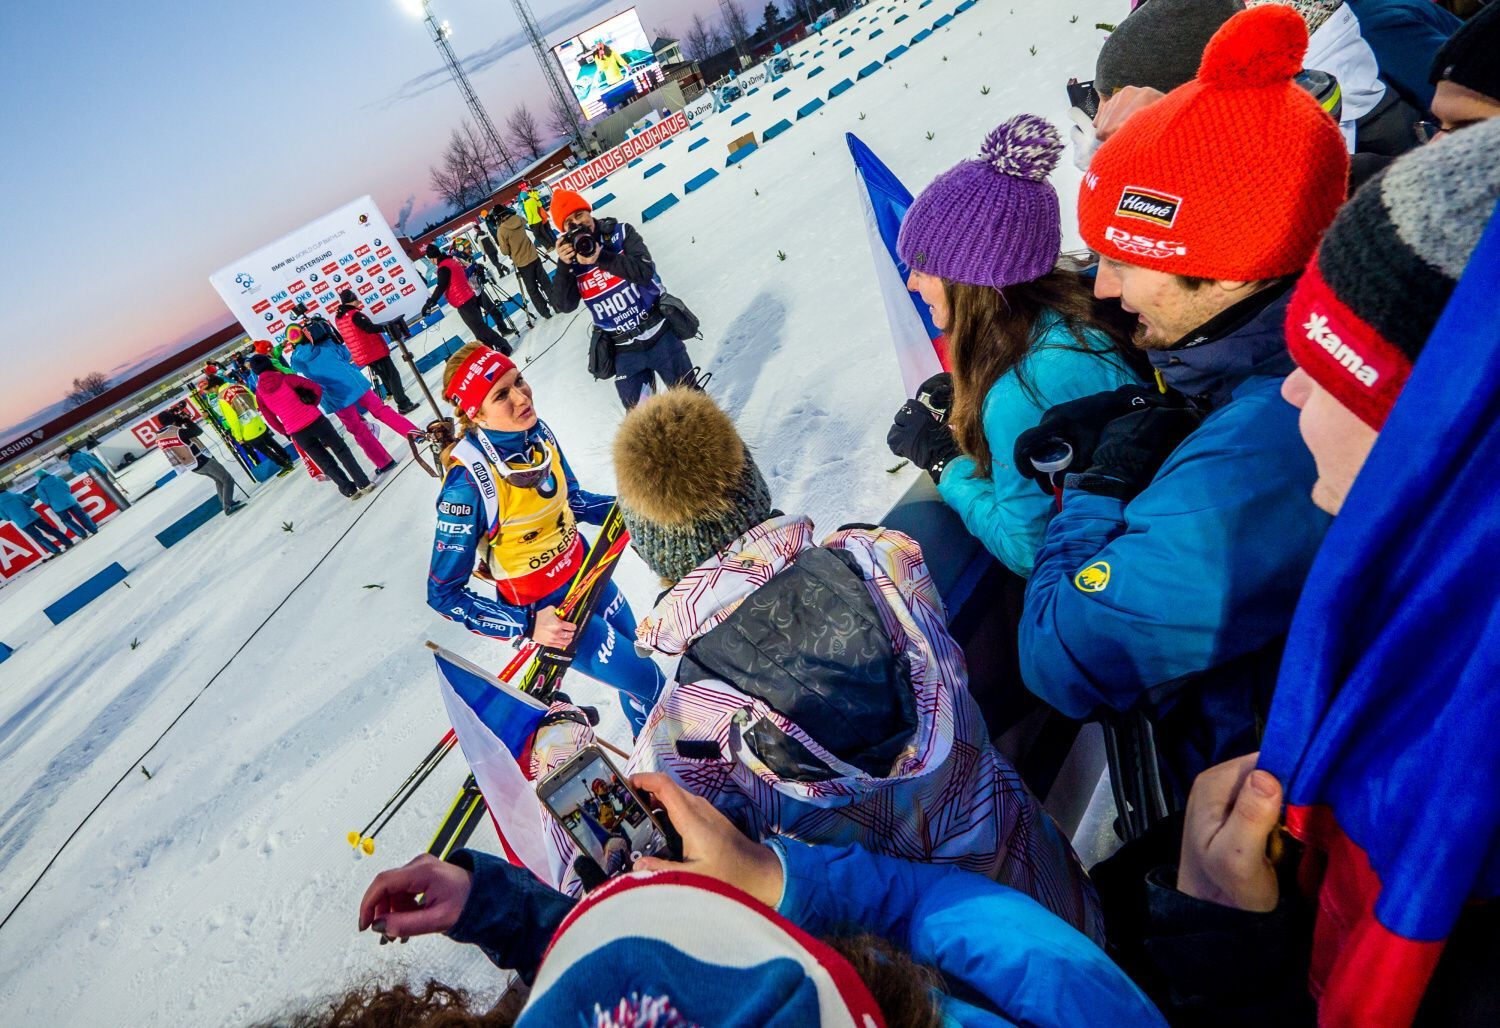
<point>610,64</point>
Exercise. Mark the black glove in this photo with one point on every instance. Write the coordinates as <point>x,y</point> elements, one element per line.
<point>1079,424</point>
<point>428,308</point>
<point>1131,450</point>
<point>920,432</point>
<point>305,394</point>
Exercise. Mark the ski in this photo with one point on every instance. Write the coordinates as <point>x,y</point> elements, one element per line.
<point>463,817</point>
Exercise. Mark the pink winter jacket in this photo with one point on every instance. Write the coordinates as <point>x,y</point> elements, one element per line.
<point>283,408</point>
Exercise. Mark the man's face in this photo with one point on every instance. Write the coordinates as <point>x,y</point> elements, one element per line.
<point>1457,107</point>
<point>1167,307</point>
<point>579,219</point>
<point>1339,441</point>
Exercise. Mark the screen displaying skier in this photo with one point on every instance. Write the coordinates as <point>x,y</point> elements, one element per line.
<point>602,814</point>
<point>610,64</point>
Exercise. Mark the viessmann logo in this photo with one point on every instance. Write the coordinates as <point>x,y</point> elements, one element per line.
<point>1148,205</point>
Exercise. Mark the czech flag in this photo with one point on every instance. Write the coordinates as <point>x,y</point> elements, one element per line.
<point>920,349</point>
<point>1385,729</point>
<point>495,723</point>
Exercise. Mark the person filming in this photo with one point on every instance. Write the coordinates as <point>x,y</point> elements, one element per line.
<point>638,325</point>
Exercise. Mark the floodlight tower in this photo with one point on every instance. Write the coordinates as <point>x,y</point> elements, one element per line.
<point>562,97</point>
<point>440,33</point>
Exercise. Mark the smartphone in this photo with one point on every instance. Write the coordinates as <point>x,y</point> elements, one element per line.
<point>1083,96</point>
<point>602,813</point>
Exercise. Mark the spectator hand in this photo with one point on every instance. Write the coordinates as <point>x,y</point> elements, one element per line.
<point>1085,141</point>
<point>1132,448</point>
<point>565,252</point>
<point>1121,105</point>
<point>1079,423</point>
<point>711,845</point>
<point>920,432</point>
<point>551,630</point>
<point>423,897</point>
<point>1232,813</point>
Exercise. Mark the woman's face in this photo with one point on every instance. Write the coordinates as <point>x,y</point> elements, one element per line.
<point>508,407</point>
<point>930,289</point>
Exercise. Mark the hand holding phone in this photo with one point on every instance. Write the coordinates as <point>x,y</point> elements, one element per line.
<point>711,844</point>
<point>420,898</point>
<point>601,813</point>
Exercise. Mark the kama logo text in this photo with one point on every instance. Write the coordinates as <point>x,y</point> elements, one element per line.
<point>1148,205</point>
<point>1318,332</point>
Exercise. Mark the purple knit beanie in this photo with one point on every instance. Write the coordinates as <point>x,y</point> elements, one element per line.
<point>991,221</point>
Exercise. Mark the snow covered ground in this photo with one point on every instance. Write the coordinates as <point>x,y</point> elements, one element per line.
<point>221,889</point>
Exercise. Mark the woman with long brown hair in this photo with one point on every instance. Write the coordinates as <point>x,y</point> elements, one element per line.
<point>1023,332</point>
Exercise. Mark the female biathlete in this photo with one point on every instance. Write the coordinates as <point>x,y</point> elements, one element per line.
<point>508,512</point>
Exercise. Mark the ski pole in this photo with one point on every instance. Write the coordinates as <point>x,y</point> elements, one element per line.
<point>367,844</point>
<point>433,754</point>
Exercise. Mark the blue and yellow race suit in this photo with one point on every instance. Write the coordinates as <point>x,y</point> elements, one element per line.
<point>526,542</point>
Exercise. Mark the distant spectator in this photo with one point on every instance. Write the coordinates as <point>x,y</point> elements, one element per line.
<point>347,396</point>
<point>1167,580</point>
<point>368,348</point>
<point>510,232</point>
<point>1466,75</point>
<point>242,417</point>
<point>179,440</point>
<point>536,217</point>
<point>85,462</point>
<point>1024,334</point>
<point>19,510</point>
<point>54,492</point>
<point>290,404</point>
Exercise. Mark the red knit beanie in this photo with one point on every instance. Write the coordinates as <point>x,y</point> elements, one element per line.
<point>565,202</point>
<point>1233,176</point>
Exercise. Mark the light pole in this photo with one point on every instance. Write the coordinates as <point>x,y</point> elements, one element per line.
<point>440,33</point>
<point>562,96</point>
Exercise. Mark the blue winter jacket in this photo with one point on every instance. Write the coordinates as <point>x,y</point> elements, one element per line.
<point>84,463</point>
<point>460,528</point>
<point>54,492</point>
<point>18,507</point>
<point>1004,958</point>
<point>330,365</point>
<point>1179,599</point>
<point>1007,512</point>
<point>1405,36</point>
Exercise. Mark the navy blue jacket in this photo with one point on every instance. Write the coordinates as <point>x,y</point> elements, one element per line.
<point>1405,36</point>
<point>460,527</point>
<point>1178,600</point>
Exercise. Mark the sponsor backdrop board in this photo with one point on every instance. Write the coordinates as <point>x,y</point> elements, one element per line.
<point>609,64</point>
<point>352,247</point>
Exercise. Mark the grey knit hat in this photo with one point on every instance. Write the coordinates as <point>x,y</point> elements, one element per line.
<point>1160,44</point>
<point>688,485</point>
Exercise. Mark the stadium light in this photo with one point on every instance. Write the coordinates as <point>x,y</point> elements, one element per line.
<point>440,32</point>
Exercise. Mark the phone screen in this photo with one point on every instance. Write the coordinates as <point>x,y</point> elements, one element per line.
<point>595,806</point>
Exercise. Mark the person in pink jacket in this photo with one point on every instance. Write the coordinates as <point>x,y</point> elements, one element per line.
<point>289,404</point>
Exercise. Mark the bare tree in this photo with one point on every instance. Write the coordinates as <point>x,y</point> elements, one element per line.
<point>464,175</point>
<point>700,41</point>
<point>524,131</point>
<point>736,25</point>
<point>560,114</point>
<point>86,387</point>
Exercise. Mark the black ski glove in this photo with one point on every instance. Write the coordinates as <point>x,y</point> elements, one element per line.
<point>1078,425</point>
<point>920,432</point>
<point>1131,450</point>
<point>305,394</point>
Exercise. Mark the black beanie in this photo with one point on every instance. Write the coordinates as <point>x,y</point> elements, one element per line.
<point>1471,57</point>
<point>347,296</point>
<point>1160,44</point>
<point>260,364</point>
<point>432,253</point>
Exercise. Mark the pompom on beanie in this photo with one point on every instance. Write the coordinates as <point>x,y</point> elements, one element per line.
<point>992,221</point>
<point>1233,176</point>
<point>1361,315</point>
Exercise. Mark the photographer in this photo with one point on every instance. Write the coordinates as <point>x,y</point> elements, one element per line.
<point>453,283</point>
<point>638,326</point>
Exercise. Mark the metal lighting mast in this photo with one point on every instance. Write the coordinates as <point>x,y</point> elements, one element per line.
<point>562,96</point>
<point>440,34</point>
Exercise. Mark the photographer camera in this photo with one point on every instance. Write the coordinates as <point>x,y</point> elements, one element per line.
<point>638,326</point>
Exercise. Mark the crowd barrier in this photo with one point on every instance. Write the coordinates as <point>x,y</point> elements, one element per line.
<point>869,70</point>
<point>700,180</point>
<point>839,88</point>
<point>659,208</point>
<point>775,130</point>
<point>811,107</point>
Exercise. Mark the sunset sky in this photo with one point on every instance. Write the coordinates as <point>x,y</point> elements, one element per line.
<point>148,145</point>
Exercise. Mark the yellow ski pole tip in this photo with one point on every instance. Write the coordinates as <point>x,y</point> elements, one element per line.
<point>368,845</point>
<point>354,839</point>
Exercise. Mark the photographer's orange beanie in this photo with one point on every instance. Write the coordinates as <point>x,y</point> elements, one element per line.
<point>564,203</point>
<point>1232,176</point>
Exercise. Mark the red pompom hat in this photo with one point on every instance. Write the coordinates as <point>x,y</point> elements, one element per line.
<point>1234,175</point>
